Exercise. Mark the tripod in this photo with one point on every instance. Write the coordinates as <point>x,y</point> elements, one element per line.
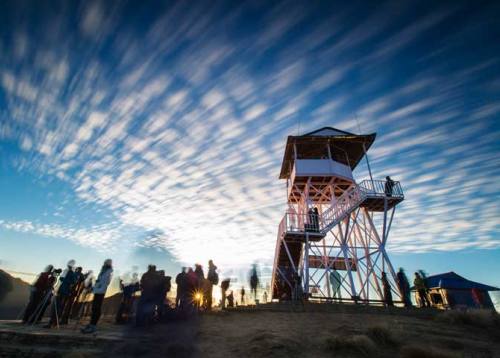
<point>82,309</point>
<point>40,309</point>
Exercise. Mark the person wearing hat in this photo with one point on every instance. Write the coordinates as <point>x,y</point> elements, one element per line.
<point>99,290</point>
<point>63,293</point>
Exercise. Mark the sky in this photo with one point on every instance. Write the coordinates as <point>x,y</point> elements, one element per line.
<point>154,131</point>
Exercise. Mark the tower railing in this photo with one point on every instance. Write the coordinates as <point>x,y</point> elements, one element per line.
<point>340,208</point>
<point>381,188</point>
<point>293,222</point>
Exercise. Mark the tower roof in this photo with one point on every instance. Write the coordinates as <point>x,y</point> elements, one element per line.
<point>346,148</point>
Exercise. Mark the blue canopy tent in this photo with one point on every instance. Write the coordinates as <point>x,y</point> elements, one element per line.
<point>449,290</point>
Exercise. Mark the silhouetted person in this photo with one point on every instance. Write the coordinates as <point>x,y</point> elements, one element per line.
<point>230,299</point>
<point>206,292</point>
<point>180,281</point>
<point>298,292</point>
<point>39,290</point>
<point>128,291</point>
<point>99,290</point>
<point>242,294</point>
<point>163,289</point>
<point>389,185</point>
<point>198,270</point>
<point>264,297</point>
<point>148,299</point>
<point>224,285</point>
<point>75,292</point>
<point>68,279</point>
<point>335,282</point>
<point>254,281</point>
<point>309,226</point>
<point>421,289</point>
<point>404,287</point>
<point>387,291</point>
<point>213,277</point>
<point>315,220</point>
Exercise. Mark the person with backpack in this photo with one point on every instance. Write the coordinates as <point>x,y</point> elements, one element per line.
<point>213,278</point>
<point>99,290</point>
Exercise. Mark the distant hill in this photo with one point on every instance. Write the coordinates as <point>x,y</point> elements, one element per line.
<point>17,295</point>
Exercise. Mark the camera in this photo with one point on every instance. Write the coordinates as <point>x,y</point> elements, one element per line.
<point>57,271</point>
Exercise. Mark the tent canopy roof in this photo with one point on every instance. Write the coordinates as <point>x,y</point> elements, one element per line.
<point>451,280</point>
<point>346,148</point>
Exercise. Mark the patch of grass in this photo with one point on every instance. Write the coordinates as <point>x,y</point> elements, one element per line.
<point>411,351</point>
<point>359,345</point>
<point>382,336</point>
<point>179,350</point>
<point>475,317</point>
<point>270,345</point>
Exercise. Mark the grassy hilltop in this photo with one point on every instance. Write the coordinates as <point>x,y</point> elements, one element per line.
<point>276,330</point>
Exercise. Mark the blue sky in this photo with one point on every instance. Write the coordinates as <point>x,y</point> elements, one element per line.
<point>154,131</point>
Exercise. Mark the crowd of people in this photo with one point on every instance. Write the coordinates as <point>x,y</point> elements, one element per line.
<point>72,294</point>
<point>67,293</point>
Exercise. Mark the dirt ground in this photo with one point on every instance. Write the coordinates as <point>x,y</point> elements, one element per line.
<point>275,330</point>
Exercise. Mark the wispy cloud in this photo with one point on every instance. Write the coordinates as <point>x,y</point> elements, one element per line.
<point>178,124</point>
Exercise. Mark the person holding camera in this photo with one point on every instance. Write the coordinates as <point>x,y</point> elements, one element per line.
<point>39,290</point>
<point>68,280</point>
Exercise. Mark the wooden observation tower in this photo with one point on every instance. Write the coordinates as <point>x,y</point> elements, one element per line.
<point>331,241</point>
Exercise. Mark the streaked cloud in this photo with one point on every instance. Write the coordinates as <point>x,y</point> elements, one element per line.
<point>178,124</point>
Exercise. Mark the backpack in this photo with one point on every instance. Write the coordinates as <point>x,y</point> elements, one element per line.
<point>213,277</point>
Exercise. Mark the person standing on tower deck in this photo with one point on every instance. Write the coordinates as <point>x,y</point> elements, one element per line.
<point>421,289</point>
<point>389,185</point>
<point>404,287</point>
<point>387,291</point>
<point>309,226</point>
<point>100,288</point>
<point>315,220</point>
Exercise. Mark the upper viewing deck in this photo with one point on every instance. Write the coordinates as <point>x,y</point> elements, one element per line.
<point>374,195</point>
